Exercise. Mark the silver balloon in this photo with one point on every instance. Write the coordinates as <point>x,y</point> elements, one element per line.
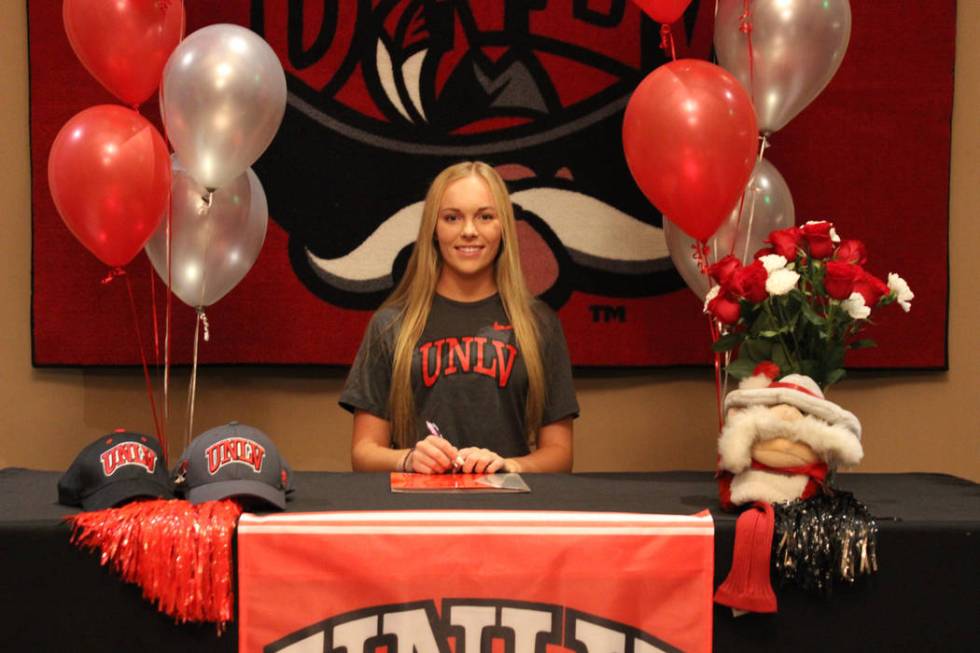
<point>213,246</point>
<point>222,99</point>
<point>797,46</point>
<point>767,206</point>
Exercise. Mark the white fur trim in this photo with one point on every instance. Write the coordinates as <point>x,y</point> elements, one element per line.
<point>759,485</point>
<point>819,407</point>
<point>835,445</point>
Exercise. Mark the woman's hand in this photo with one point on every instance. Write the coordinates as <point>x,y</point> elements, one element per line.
<point>482,461</point>
<point>433,455</point>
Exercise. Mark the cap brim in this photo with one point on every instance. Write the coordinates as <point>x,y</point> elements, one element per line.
<point>113,494</point>
<point>225,489</point>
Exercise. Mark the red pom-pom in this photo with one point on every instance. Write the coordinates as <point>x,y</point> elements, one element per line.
<point>178,553</point>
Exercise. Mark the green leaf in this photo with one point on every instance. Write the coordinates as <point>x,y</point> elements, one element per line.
<point>866,343</point>
<point>811,315</point>
<point>741,368</point>
<point>835,357</point>
<point>834,376</point>
<point>779,358</point>
<point>809,367</point>
<point>757,350</point>
<point>728,341</point>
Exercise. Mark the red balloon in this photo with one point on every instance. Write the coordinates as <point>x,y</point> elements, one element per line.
<point>109,173</point>
<point>664,11</point>
<point>124,43</point>
<point>690,138</point>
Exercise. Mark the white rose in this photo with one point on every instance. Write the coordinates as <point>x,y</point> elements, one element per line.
<point>781,281</point>
<point>855,306</point>
<point>834,238</point>
<point>773,262</point>
<point>712,293</point>
<point>901,290</point>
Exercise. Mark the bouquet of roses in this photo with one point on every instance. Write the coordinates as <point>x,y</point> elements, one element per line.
<point>800,304</point>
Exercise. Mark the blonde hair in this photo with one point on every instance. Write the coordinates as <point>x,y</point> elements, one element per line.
<point>413,300</point>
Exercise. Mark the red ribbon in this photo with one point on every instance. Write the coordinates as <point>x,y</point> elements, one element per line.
<point>747,586</point>
<point>667,41</point>
<point>793,386</point>
<point>745,27</point>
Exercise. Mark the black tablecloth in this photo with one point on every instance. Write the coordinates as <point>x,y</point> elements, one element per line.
<point>54,597</point>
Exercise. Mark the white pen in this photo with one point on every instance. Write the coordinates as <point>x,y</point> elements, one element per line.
<point>434,430</point>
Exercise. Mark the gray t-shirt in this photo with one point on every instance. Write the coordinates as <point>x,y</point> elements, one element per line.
<point>467,374</point>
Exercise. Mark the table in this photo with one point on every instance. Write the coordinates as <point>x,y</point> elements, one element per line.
<point>55,597</point>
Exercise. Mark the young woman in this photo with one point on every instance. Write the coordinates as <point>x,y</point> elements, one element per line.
<point>462,369</point>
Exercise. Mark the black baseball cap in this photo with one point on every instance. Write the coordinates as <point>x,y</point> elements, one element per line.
<point>234,460</point>
<point>116,468</point>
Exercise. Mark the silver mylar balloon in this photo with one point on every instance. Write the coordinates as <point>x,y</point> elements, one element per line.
<point>797,46</point>
<point>767,206</point>
<point>222,98</point>
<point>212,247</point>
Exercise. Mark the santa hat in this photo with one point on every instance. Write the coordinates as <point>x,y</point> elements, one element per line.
<point>833,433</point>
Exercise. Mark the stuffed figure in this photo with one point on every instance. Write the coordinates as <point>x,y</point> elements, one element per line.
<point>780,445</point>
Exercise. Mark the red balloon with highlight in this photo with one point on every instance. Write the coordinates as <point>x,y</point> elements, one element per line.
<point>109,173</point>
<point>690,139</point>
<point>124,43</point>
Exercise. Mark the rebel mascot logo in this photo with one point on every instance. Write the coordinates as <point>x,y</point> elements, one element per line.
<point>523,628</point>
<point>395,91</point>
<point>234,450</point>
<point>128,453</point>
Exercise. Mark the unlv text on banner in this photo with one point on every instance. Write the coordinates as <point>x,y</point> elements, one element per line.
<point>474,625</point>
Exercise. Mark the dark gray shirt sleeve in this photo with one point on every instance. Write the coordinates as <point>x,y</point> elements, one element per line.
<point>369,381</point>
<point>560,401</point>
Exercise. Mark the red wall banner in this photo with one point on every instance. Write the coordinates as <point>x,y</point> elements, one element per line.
<point>382,95</point>
<point>475,582</point>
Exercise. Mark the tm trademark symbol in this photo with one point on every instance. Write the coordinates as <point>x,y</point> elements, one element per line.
<point>604,313</point>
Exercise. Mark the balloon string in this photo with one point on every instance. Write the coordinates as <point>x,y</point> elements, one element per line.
<point>166,334</point>
<point>667,41</point>
<point>745,26</point>
<point>748,231</point>
<point>701,256</point>
<point>763,144</point>
<point>161,437</point>
<point>738,220</point>
<point>192,390</point>
<point>153,303</point>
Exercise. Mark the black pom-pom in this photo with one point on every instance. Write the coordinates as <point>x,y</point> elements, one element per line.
<point>822,540</point>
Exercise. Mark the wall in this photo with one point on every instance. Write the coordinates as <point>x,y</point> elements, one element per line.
<point>663,419</point>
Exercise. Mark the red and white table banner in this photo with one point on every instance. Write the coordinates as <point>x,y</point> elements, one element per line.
<point>475,582</point>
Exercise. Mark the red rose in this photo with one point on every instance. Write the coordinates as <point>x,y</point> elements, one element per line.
<point>723,270</point>
<point>871,288</point>
<point>839,279</point>
<point>724,308</point>
<point>852,251</point>
<point>750,282</point>
<point>817,236</point>
<point>765,251</point>
<point>785,241</point>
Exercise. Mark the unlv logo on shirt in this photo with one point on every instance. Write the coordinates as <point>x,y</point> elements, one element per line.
<point>383,95</point>
<point>469,354</point>
<point>234,450</point>
<point>128,453</point>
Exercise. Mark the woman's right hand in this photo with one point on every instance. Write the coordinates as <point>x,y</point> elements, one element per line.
<point>433,455</point>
